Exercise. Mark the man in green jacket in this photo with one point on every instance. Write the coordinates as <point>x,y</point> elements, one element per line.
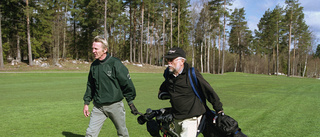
<point>108,83</point>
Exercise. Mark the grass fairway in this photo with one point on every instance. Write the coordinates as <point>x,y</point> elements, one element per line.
<point>50,104</point>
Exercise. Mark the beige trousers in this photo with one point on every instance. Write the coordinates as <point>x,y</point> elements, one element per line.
<point>187,127</point>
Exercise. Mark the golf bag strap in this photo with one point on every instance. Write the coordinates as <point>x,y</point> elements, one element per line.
<point>196,82</point>
<point>195,86</point>
<point>198,94</point>
<point>194,77</point>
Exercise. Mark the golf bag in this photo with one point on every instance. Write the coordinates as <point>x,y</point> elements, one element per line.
<point>158,121</point>
<point>212,124</point>
<point>226,127</point>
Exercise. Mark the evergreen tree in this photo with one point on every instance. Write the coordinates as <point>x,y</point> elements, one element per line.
<point>202,33</point>
<point>268,36</point>
<point>277,18</point>
<point>317,54</point>
<point>292,11</point>
<point>225,15</point>
<point>239,31</point>
<point>181,23</point>
<point>194,19</point>
<point>300,34</point>
<point>217,11</point>
<point>13,34</point>
<point>118,23</point>
<point>304,48</point>
<point>91,22</point>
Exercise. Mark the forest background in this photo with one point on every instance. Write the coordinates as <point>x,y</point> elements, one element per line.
<point>216,38</point>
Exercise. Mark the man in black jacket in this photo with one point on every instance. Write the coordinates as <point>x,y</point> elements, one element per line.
<point>187,108</point>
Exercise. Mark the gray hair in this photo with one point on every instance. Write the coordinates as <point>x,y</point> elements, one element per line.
<point>102,40</point>
<point>180,58</point>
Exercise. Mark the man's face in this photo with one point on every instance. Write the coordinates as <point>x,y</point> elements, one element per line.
<point>175,64</point>
<point>98,51</point>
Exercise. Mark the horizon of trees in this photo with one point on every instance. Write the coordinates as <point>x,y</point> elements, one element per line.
<point>215,37</point>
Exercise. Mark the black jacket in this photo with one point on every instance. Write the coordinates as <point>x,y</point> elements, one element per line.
<point>184,102</point>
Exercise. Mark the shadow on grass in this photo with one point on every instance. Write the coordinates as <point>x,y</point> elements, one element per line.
<point>69,134</point>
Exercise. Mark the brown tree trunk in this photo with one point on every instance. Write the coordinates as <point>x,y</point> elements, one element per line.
<point>105,19</point>
<point>289,45</point>
<point>18,49</point>
<point>171,23</point>
<point>148,37</point>
<point>64,35</point>
<point>28,36</point>
<point>131,31</point>
<point>224,37</point>
<point>134,35</point>
<point>164,32</point>
<point>179,12</point>
<point>201,61</point>
<point>208,58</point>
<point>141,41</point>
<point>1,51</point>
<point>219,50</point>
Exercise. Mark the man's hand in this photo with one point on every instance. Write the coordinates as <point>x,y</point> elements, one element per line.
<point>86,110</point>
<point>219,118</point>
<point>134,110</point>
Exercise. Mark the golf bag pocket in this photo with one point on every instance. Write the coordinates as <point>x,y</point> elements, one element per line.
<point>225,126</point>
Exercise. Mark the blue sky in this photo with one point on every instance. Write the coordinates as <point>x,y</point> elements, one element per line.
<point>256,8</point>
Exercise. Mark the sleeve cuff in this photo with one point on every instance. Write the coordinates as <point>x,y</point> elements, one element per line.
<point>130,102</point>
<point>87,103</point>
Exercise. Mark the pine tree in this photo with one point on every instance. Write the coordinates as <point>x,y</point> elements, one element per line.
<point>290,17</point>
<point>317,54</point>
<point>277,18</point>
<point>225,15</point>
<point>267,36</point>
<point>300,32</point>
<point>217,11</point>
<point>238,32</point>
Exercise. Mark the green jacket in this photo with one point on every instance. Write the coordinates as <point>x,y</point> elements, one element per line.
<point>108,82</point>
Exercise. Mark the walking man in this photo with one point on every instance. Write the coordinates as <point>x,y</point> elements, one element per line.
<point>108,83</point>
<point>187,108</point>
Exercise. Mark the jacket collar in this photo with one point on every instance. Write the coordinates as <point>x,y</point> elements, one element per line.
<point>185,68</point>
<point>184,71</point>
<point>105,59</point>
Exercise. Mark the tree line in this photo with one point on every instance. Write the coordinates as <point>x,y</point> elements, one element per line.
<point>215,37</point>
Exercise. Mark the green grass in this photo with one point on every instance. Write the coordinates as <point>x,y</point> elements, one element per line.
<point>50,104</point>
